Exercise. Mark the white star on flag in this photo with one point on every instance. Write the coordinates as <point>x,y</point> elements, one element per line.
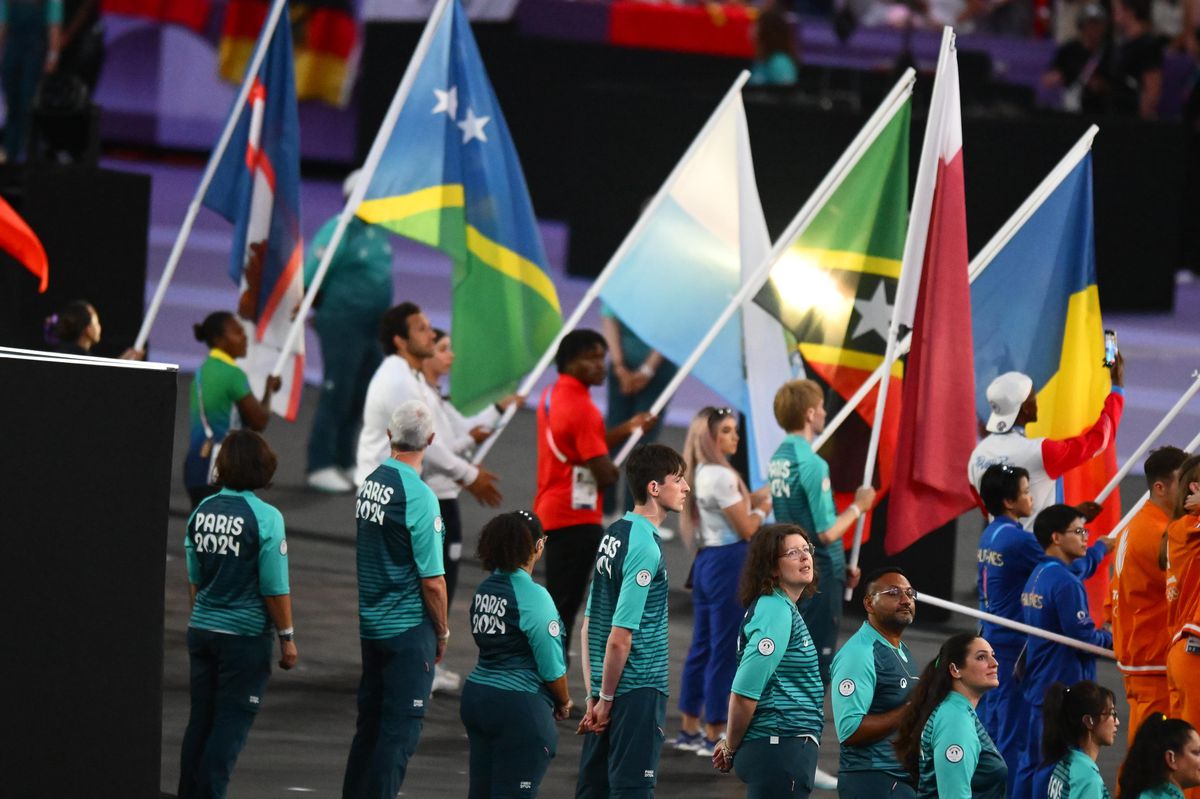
<point>472,126</point>
<point>874,314</point>
<point>447,101</point>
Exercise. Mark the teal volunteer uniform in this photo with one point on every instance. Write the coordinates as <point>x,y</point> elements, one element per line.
<point>801,494</point>
<point>1077,776</point>
<point>506,707</point>
<point>629,590</point>
<point>399,544</point>
<point>236,554</point>
<point>1168,790</point>
<point>777,667</point>
<point>870,676</point>
<point>958,758</point>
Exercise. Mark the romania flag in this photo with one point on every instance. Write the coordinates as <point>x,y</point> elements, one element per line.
<point>1036,309</point>
<point>323,32</point>
<point>449,177</point>
<point>834,289</point>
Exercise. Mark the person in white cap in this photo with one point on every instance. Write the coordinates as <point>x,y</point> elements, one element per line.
<point>1014,405</point>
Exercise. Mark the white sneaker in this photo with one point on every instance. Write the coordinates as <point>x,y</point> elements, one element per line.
<point>445,680</point>
<point>329,481</point>
<point>825,781</point>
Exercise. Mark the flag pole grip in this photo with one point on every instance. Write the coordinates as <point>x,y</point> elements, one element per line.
<point>210,169</point>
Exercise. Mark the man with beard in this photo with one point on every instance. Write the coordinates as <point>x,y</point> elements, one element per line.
<point>872,676</point>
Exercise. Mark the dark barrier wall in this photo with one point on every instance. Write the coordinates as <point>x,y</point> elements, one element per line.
<point>599,128</point>
<point>85,483</point>
<point>93,224</point>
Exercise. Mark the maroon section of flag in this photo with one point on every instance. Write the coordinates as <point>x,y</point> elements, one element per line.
<point>937,417</point>
<point>19,241</point>
<point>191,13</point>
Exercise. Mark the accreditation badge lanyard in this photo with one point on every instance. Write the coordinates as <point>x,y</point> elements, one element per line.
<point>210,448</point>
<point>585,494</point>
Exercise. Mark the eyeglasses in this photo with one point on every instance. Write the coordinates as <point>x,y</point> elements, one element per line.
<point>1112,713</point>
<point>1080,531</point>
<point>895,591</point>
<point>794,552</point>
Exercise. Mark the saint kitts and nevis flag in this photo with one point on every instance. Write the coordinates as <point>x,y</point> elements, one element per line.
<point>324,33</point>
<point>933,299</point>
<point>256,186</point>
<point>834,288</point>
<point>704,238</point>
<point>1055,335</point>
<point>449,177</point>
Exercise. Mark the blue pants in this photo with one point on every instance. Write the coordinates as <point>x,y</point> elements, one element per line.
<point>21,70</point>
<point>717,616</point>
<point>513,739</point>
<point>228,677</point>
<point>396,682</point>
<point>1032,777</point>
<point>622,761</point>
<point>350,356</point>
<point>775,768</point>
<point>1004,711</point>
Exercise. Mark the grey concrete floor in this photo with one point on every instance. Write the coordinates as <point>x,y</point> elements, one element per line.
<point>300,740</point>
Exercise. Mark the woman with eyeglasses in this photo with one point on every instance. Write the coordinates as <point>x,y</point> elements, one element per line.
<point>1162,762</point>
<point>777,704</point>
<point>519,687</point>
<point>1183,596</point>
<point>1077,721</point>
<point>720,516</point>
<point>941,741</point>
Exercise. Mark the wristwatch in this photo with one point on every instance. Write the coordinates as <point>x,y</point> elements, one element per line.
<point>287,635</point>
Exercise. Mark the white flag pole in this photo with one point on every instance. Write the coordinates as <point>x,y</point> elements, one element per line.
<point>1137,506</point>
<point>804,217</point>
<point>982,260</point>
<point>1016,625</point>
<point>364,181</point>
<point>1150,439</point>
<point>915,245</point>
<point>593,291</point>
<point>185,231</point>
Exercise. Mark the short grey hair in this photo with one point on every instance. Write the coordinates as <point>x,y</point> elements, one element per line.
<point>411,426</point>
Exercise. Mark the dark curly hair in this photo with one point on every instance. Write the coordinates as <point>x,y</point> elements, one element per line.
<point>933,686</point>
<point>766,547</point>
<point>509,540</point>
<point>213,327</point>
<point>1145,765</point>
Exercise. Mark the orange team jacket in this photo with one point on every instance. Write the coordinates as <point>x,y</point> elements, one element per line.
<point>1139,614</point>
<point>1183,577</point>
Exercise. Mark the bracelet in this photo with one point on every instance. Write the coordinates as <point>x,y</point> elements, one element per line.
<point>605,697</point>
<point>287,635</point>
<point>645,369</point>
<point>857,510</point>
<point>760,513</point>
<point>444,636</point>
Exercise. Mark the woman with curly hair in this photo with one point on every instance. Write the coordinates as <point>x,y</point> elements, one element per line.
<point>1162,762</point>
<point>941,741</point>
<point>777,704</point>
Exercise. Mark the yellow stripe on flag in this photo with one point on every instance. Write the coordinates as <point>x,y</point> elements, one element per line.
<point>394,209</point>
<point>509,263</point>
<point>1073,398</point>
<point>837,356</point>
<point>848,261</point>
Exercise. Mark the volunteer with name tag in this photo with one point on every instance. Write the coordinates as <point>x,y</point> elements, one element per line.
<point>777,704</point>
<point>574,469</point>
<point>941,741</point>
<point>238,575</point>
<point>519,687</point>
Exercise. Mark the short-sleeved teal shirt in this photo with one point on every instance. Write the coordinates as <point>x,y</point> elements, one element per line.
<point>236,554</point>
<point>223,384</point>
<point>1076,776</point>
<point>802,494</point>
<point>777,666</point>
<point>958,758</point>
<point>1168,790</point>
<point>870,676</point>
<point>400,534</point>
<point>629,589</point>
<point>518,632</point>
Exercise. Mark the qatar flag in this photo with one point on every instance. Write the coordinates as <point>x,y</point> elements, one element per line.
<point>937,421</point>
